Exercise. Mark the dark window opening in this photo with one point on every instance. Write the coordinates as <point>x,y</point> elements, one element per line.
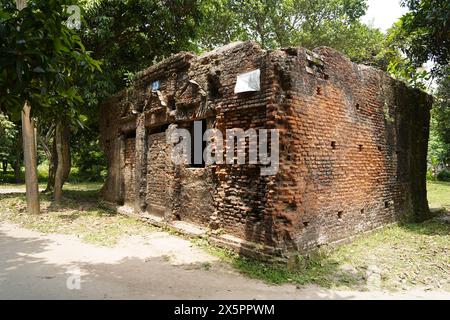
<point>197,129</point>
<point>129,134</point>
<point>387,204</point>
<point>360,147</point>
<point>319,91</point>
<point>214,85</point>
<point>171,103</point>
<point>357,106</point>
<point>333,145</point>
<point>291,206</point>
<point>340,214</point>
<point>305,223</point>
<point>158,129</point>
<point>362,211</point>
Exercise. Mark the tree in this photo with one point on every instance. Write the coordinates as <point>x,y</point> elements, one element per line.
<point>440,123</point>
<point>283,23</point>
<point>126,36</point>
<point>422,36</point>
<point>87,154</point>
<point>38,56</point>
<point>46,135</point>
<point>424,33</point>
<point>129,35</point>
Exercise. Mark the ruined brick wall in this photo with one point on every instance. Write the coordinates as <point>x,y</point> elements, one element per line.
<point>352,145</point>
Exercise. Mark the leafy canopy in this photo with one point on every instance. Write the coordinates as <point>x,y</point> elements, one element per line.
<point>424,33</point>
<point>39,58</point>
<point>129,35</point>
<point>282,23</point>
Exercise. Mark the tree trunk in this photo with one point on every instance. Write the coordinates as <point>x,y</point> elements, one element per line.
<point>52,164</point>
<point>47,142</point>
<point>17,170</point>
<point>60,160</point>
<point>17,163</point>
<point>5,166</point>
<point>29,155</point>
<point>67,163</point>
<point>59,175</point>
<point>21,4</point>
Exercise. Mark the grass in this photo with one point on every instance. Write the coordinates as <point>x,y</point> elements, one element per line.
<point>81,213</point>
<point>439,194</point>
<point>405,255</point>
<point>75,175</point>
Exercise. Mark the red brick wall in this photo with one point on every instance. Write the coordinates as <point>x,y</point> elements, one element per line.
<point>352,145</point>
<point>340,169</point>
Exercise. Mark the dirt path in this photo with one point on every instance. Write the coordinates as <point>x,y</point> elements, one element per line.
<point>160,266</point>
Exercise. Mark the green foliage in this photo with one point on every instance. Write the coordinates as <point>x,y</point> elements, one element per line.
<point>306,23</point>
<point>8,139</point>
<point>398,64</point>
<point>439,143</point>
<point>438,151</point>
<point>444,175</point>
<point>87,156</point>
<point>421,36</point>
<point>430,176</point>
<point>424,33</point>
<point>39,58</point>
<point>129,35</point>
<point>441,112</point>
<point>126,36</point>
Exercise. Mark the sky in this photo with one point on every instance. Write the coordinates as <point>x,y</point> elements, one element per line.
<point>383,13</point>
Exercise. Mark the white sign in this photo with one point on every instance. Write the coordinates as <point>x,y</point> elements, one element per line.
<point>248,82</point>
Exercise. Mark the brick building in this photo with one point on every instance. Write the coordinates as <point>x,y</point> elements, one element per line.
<point>353,145</point>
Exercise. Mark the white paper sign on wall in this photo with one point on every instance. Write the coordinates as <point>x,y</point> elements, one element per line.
<point>248,82</point>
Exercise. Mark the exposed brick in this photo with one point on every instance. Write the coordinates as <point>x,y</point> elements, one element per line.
<point>353,145</point>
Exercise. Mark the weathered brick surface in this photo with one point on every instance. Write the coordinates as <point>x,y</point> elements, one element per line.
<point>352,145</point>
<point>159,175</point>
<point>129,169</point>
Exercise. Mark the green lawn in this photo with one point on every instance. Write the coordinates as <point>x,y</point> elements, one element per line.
<point>439,194</point>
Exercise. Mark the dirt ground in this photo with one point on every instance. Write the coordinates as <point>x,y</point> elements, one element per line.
<point>157,266</point>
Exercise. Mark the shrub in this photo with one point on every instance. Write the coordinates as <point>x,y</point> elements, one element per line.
<point>443,176</point>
